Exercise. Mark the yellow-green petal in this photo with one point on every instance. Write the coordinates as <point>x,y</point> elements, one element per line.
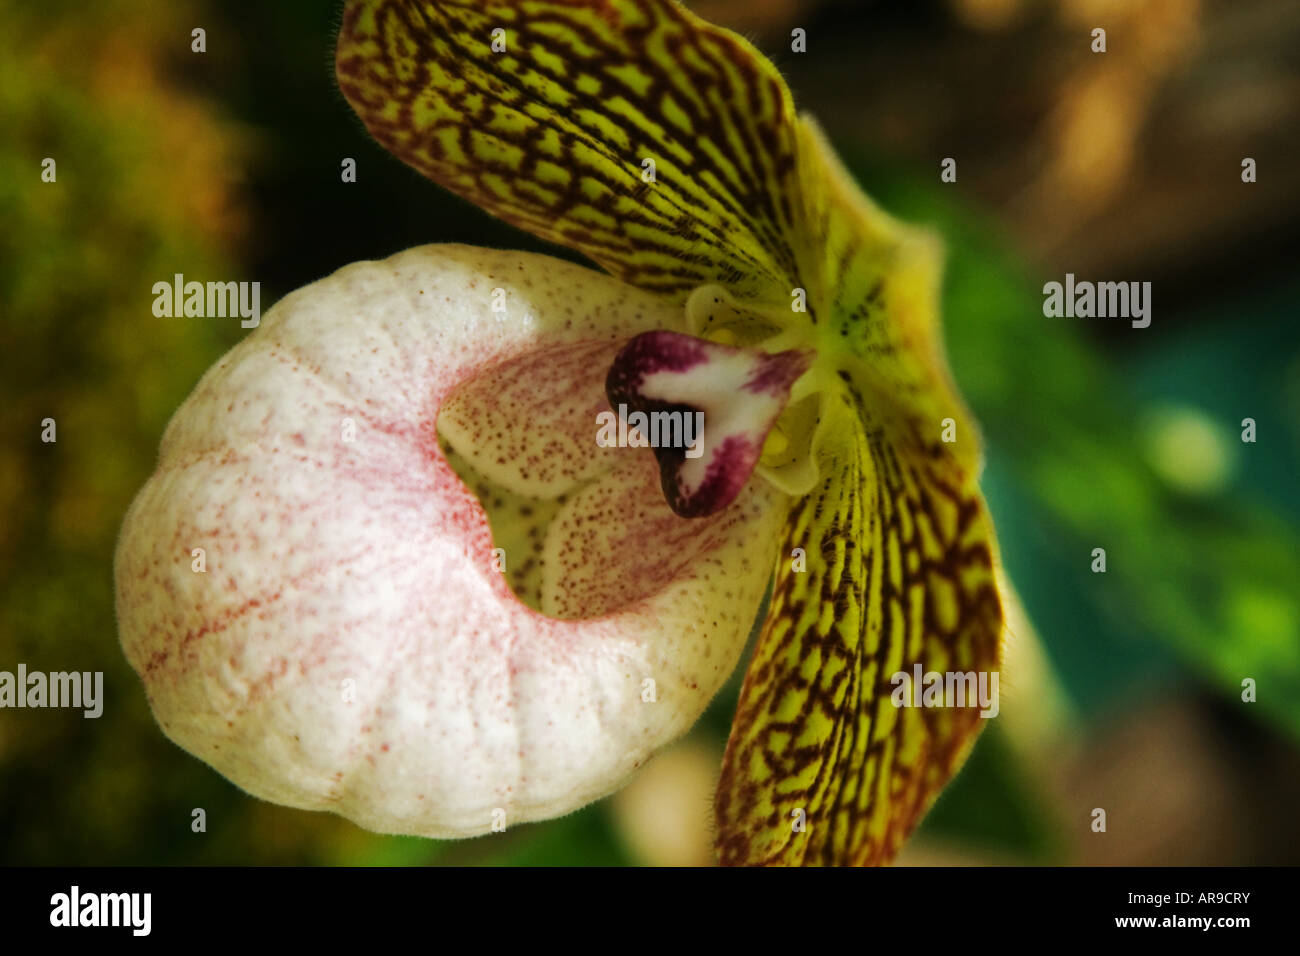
<point>822,767</point>
<point>552,115</point>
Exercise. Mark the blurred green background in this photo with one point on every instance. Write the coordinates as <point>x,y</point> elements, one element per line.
<point>1122,690</point>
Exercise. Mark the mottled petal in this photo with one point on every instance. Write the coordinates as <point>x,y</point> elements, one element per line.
<point>897,570</point>
<point>660,146</point>
<point>898,565</point>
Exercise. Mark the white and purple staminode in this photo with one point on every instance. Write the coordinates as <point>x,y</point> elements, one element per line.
<point>739,391</point>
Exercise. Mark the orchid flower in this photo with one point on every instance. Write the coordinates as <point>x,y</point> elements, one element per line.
<point>433,602</point>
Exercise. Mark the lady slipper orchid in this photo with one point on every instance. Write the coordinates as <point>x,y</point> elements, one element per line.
<point>433,599</point>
